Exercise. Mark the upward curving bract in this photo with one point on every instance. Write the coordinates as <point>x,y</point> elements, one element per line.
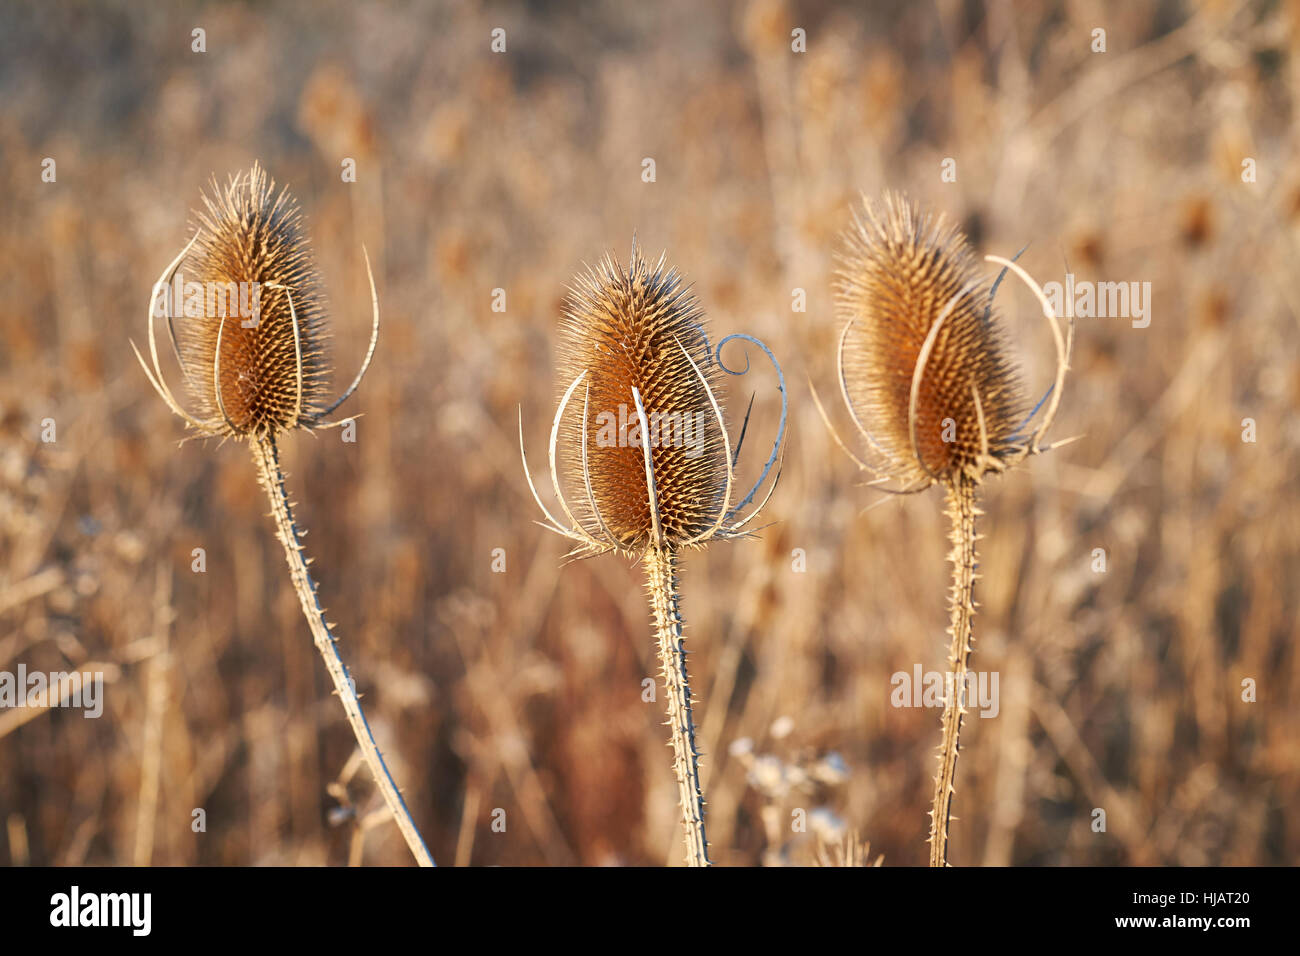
<point>924,361</point>
<point>636,340</point>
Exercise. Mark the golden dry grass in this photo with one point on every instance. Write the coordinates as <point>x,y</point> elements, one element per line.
<point>521,691</point>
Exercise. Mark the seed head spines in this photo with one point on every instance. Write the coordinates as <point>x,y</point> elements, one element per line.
<point>635,333</point>
<point>640,425</point>
<point>925,361</point>
<point>256,374</point>
<point>261,368</point>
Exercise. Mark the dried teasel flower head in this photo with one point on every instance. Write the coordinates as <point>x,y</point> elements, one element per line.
<point>635,360</point>
<point>923,362</point>
<point>639,336</point>
<point>251,342</point>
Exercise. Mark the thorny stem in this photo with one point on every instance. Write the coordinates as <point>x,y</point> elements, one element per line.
<point>266,458</point>
<point>661,580</point>
<point>961,512</point>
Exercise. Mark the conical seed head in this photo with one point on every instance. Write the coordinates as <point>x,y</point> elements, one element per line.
<point>900,270</point>
<point>627,330</point>
<point>252,248</point>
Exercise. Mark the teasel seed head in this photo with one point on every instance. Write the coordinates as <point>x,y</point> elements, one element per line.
<point>641,330</point>
<point>635,360</point>
<point>924,371</point>
<point>924,363</point>
<point>255,360</point>
<point>250,235</point>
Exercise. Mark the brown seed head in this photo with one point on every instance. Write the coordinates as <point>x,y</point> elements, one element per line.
<point>901,271</point>
<point>631,330</point>
<point>254,374</point>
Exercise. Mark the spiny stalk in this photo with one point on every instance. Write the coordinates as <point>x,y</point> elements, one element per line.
<point>634,340</point>
<point>266,458</point>
<point>253,376</point>
<point>924,373</point>
<point>961,509</point>
<point>661,580</point>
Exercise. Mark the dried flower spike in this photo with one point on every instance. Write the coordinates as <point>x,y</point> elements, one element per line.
<point>911,290</point>
<point>924,373</point>
<point>263,369</point>
<point>270,373</point>
<point>649,458</point>
<point>258,369</point>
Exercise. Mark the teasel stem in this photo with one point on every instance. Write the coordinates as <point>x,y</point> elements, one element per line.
<point>267,459</point>
<point>962,511</point>
<point>661,580</point>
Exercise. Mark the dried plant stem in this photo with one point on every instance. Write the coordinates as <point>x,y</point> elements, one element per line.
<point>661,579</point>
<point>266,458</point>
<point>961,512</point>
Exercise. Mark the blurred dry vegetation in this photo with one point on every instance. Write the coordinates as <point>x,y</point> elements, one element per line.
<point>522,691</point>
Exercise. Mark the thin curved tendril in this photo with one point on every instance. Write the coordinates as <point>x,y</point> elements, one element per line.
<point>762,504</point>
<point>1015,435</point>
<point>723,512</point>
<point>586,473</point>
<point>297,350</point>
<point>554,524</point>
<point>984,435</point>
<point>821,410</point>
<point>876,482</point>
<point>159,383</point>
<point>744,430</point>
<point>374,340</point>
<point>655,527</point>
<point>555,433</point>
<point>171,332</point>
<point>993,290</point>
<point>216,374</point>
<point>844,392</point>
<point>918,372</point>
<point>785,408</point>
<point>1062,349</point>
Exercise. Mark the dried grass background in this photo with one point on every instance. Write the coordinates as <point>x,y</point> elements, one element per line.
<point>522,690</point>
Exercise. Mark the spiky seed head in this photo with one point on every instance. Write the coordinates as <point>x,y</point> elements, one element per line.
<point>900,269</point>
<point>249,237</point>
<point>627,329</point>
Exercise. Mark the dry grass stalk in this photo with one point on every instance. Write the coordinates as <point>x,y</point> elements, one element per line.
<point>635,341</point>
<point>849,850</point>
<point>155,714</point>
<point>924,373</point>
<point>252,377</point>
